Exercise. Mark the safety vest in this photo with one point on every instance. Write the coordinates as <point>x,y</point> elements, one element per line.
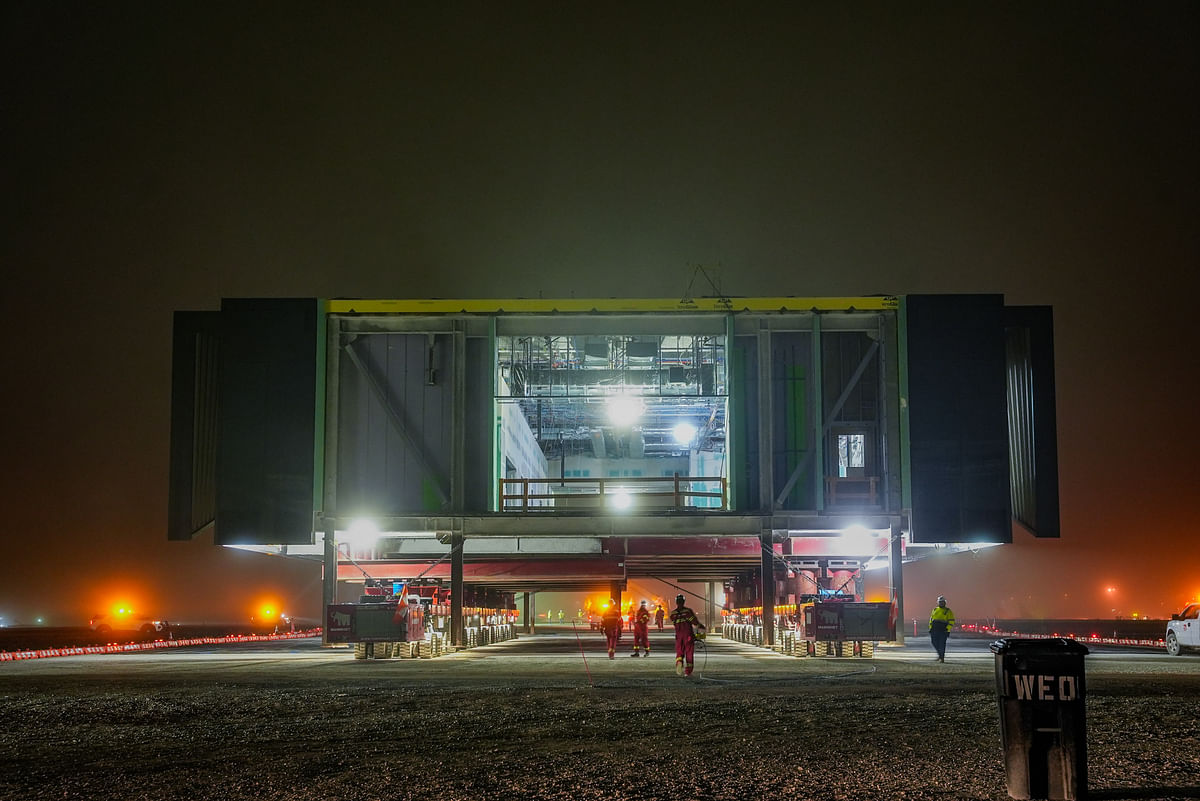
<point>941,619</point>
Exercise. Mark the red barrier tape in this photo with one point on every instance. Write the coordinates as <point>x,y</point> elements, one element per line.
<point>116,648</point>
<point>1159,643</point>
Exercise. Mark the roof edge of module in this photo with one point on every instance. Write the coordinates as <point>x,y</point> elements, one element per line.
<point>608,305</point>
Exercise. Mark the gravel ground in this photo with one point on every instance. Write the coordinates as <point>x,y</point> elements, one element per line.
<point>521,720</point>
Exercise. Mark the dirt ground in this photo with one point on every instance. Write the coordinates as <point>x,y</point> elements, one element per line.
<point>529,719</point>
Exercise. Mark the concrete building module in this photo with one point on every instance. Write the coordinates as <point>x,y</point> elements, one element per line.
<point>512,446</point>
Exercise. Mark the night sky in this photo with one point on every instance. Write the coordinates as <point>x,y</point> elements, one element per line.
<point>162,156</point>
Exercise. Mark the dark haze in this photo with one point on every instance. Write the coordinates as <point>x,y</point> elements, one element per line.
<point>163,156</point>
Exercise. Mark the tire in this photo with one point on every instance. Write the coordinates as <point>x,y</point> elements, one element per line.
<point>1173,647</point>
<point>360,650</point>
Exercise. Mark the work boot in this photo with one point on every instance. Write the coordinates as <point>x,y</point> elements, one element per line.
<point>678,667</point>
<point>687,671</point>
<point>635,653</point>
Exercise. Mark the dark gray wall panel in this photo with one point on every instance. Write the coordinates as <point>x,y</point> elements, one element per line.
<point>394,436</point>
<point>791,377</point>
<point>477,442</point>
<point>958,425</point>
<point>191,499</point>
<point>268,398</point>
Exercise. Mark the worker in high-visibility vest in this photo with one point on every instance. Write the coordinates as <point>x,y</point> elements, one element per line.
<point>641,629</point>
<point>610,621</point>
<point>659,614</point>
<point>941,620</point>
<point>686,623</point>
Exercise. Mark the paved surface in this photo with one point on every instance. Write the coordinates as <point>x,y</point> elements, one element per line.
<point>567,655</point>
<point>550,716</point>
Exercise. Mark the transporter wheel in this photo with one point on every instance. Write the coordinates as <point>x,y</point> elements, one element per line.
<point>360,650</point>
<point>1173,647</point>
<point>383,650</point>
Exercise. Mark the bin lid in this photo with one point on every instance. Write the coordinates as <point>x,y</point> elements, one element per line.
<point>1042,646</point>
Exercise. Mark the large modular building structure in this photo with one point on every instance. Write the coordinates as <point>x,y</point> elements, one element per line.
<point>780,446</point>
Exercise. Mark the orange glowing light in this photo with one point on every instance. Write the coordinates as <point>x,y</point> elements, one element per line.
<point>266,610</point>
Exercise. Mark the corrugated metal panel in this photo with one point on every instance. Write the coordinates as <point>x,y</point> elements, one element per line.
<point>1021,467</point>
<point>1032,418</point>
<point>191,502</point>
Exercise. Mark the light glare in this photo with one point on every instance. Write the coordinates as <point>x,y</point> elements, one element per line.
<point>684,433</point>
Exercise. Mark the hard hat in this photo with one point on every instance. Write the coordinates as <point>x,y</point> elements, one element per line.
<point>679,598</point>
<point>941,598</point>
<point>643,603</point>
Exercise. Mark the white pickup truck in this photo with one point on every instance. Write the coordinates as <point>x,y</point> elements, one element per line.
<point>1183,630</point>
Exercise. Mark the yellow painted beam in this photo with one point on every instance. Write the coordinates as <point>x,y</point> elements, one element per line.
<point>609,305</point>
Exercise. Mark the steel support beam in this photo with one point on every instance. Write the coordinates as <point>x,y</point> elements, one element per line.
<point>328,579</point>
<point>896,577</point>
<point>768,588</point>
<point>528,612</point>
<point>456,590</point>
<point>710,606</point>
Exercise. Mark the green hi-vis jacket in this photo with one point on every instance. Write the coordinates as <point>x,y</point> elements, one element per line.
<point>942,619</point>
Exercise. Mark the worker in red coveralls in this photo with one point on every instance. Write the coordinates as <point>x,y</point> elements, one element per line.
<point>659,614</point>
<point>610,621</point>
<point>641,629</point>
<point>686,623</point>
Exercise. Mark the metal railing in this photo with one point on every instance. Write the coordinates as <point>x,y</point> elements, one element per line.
<point>656,493</point>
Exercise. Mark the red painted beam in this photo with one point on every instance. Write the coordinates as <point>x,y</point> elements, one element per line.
<point>594,568</point>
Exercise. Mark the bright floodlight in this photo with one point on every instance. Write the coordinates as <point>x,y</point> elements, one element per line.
<point>859,539</point>
<point>621,499</point>
<point>684,433</point>
<point>362,533</point>
<point>624,410</point>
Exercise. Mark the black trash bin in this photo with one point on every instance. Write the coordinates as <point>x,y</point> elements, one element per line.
<point>1040,687</point>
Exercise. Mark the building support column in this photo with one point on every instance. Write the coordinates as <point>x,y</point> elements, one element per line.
<point>456,590</point>
<point>896,577</point>
<point>768,588</point>
<point>616,593</point>
<point>328,577</point>
<point>710,606</point>
<point>528,607</point>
